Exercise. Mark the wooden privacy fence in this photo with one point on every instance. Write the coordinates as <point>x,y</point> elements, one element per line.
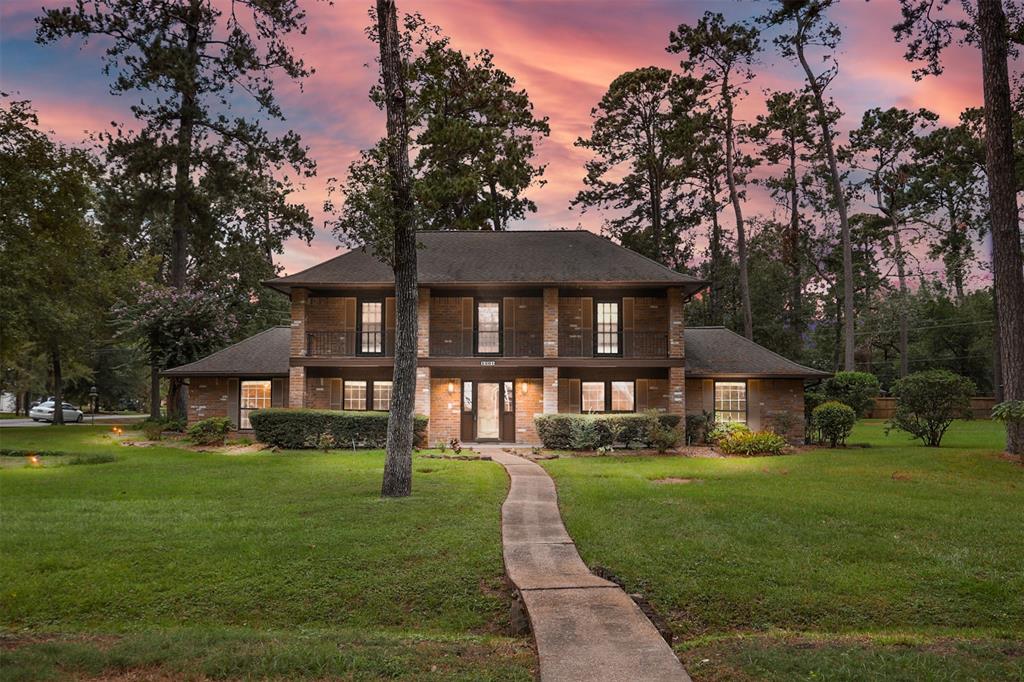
<point>981,407</point>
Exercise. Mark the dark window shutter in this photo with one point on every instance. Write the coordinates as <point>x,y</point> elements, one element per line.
<point>467,325</point>
<point>389,325</point>
<point>509,323</point>
<point>277,393</point>
<point>626,326</point>
<point>575,393</point>
<point>563,395</point>
<point>641,401</point>
<point>587,325</point>
<point>233,401</point>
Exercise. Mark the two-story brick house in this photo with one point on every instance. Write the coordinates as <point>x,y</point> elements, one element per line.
<point>511,325</point>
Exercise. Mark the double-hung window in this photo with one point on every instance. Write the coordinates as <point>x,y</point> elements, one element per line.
<point>593,396</point>
<point>254,395</point>
<point>371,327</point>
<point>382,395</point>
<point>488,327</point>
<point>355,395</point>
<point>608,328</point>
<point>622,396</point>
<point>731,401</point>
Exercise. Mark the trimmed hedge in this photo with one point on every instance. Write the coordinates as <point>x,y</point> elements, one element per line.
<point>561,431</point>
<point>306,429</point>
<point>752,443</point>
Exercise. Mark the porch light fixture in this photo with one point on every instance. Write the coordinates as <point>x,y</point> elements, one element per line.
<point>451,387</point>
<point>524,387</point>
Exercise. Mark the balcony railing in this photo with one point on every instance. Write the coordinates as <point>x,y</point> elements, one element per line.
<point>349,344</point>
<point>626,344</point>
<point>509,344</point>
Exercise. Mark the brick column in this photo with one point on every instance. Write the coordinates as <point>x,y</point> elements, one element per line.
<point>676,342</point>
<point>297,347</point>
<point>423,328</point>
<point>421,404</point>
<point>550,323</point>
<point>296,387</point>
<point>676,391</point>
<point>550,390</point>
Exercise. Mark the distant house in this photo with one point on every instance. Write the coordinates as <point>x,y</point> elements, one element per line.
<point>511,324</point>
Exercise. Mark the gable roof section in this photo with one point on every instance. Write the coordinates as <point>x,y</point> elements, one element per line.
<point>720,352</point>
<point>264,354</point>
<point>530,257</point>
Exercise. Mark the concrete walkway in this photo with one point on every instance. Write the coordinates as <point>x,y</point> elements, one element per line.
<point>586,627</point>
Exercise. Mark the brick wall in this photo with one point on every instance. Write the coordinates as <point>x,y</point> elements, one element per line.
<point>765,399</point>
<point>570,314</point>
<point>297,345</point>
<point>650,314</point>
<point>528,405</point>
<point>423,303</point>
<point>676,343</point>
<point>296,387</point>
<point>207,397</point>
<point>550,399</point>
<point>331,314</point>
<point>676,391</point>
<point>551,317</point>
<point>445,412</point>
<point>318,393</point>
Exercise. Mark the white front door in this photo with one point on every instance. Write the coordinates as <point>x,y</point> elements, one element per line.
<point>488,411</point>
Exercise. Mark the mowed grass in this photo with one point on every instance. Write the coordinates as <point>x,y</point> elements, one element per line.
<point>257,565</point>
<point>893,561</point>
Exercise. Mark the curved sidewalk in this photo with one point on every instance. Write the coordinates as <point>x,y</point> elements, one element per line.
<point>586,628</point>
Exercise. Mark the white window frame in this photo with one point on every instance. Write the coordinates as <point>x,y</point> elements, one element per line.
<point>733,413</point>
<point>583,397</point>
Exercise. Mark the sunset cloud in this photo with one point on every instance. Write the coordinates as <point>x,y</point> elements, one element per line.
<point>563,53</point>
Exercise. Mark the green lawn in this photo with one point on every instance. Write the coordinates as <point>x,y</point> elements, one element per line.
<point>202,565</point>
<point>893,562</point>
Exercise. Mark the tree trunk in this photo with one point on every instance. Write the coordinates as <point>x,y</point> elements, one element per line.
<point>901,273</point>
<point>793,254</point>
<point>849,347</point>
<point>734,197</point>
<point>58,388</point>
<point>398,465</point>
<point>154,393</point>
<point>1008,270</point>
<point>181,210</point>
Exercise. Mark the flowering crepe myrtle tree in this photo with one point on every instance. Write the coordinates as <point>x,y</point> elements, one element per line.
<point>176,326</point>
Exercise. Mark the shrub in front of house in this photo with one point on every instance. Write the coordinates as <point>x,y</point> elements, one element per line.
<point>210,431</point>
<point>697,426</point>
<point>310,429</point>
<point>752,443</point>
<point>832,422</point>
<point>928,402</point>
<point>566,431</point>
<point>723,430</point>
<point>856,389</point>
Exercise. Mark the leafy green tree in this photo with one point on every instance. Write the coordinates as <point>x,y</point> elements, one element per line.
<point>785,139</point>
<point>808,26</point>
<point>59,269</point>
<point>725,54</point>
<point>639,171</point>
<point>987,25</point>
<point>883,146</point>
<point>474,135</point>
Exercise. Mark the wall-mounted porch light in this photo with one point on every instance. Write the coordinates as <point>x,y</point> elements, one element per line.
<point>451,387</point>
<point>524,387</point>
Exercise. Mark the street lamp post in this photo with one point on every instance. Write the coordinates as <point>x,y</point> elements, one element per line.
<point>94,396</point>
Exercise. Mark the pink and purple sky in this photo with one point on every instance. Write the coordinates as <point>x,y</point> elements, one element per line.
<point>563,52</point>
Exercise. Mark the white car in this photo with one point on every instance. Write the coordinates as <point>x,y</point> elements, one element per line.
<point>43,412</point>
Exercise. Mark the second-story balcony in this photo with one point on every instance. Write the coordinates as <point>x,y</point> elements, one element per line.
<point>347,344</point>
<point>509,344</point>
<point>625,344</point>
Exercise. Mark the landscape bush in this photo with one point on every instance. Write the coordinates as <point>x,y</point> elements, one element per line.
<point>725,429</point>
<point>697,427</point>
<point>563,431</point>
<point>833,422</point>
<point>304,429</point>
<point>663,437</point>
<point>782,423</point>
<point>856,389</point>
<point>751,443</point>
<point>210,431</point>
<point>928,402</point>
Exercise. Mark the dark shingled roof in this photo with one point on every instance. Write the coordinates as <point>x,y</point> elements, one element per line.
<point>710,352</point>
<point>513,257</point>
<point>719,352</point>
<point>265,354</point>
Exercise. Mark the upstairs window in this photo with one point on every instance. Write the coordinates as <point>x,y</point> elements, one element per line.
<point>371,338</point>
<point>608,328</point>
<point>488,326</point>
<point>731,401</point>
